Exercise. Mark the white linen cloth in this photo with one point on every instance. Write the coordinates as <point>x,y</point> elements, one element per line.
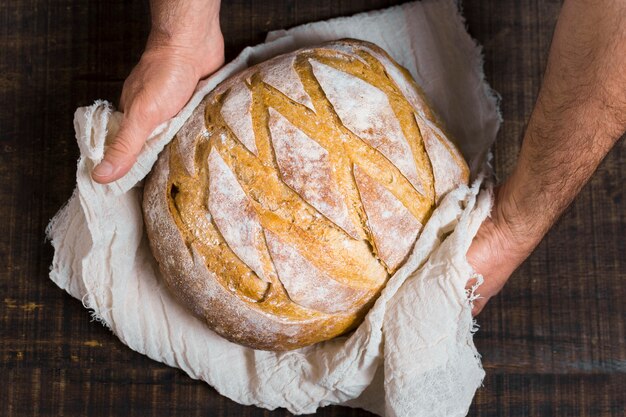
<point>412,356</point>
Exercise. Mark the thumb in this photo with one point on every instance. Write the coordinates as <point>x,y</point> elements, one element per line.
<point>121,153</point>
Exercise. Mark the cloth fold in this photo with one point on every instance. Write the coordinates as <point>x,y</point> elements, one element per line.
<point>413,355</point>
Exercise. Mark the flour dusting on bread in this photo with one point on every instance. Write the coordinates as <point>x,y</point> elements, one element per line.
<point>449,170</point>
<point>365,110</point>
<point>236,114</point>
<point>305,166</point>
<point>233,214</point>
<point>307,285</point>
<point>295,189</point>
<point>282,75</point>
<point>394,229</point>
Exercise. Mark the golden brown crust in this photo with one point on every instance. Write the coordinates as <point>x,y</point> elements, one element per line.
<point>254,212</point>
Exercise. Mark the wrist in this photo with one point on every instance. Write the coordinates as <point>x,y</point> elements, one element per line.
<point>190,33</point>
<point>498,248</point>
<point>203,54</point>
<point>183,20</point>
<point>516,225</point>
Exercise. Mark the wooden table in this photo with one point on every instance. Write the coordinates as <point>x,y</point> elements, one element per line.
<point>553,342</point>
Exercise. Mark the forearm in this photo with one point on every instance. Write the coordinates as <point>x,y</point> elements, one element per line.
<point>579,115</point>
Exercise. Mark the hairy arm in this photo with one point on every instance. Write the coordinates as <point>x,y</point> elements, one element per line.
<point>185,44</point>
<point>579,115</point>
<point>184,23</point>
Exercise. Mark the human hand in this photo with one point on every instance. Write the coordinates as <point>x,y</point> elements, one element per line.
<point>498,248</point>
<point>156,90</point>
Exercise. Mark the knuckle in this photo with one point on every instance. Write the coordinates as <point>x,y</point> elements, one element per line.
<point>123,147</point>
<point>144,110</point>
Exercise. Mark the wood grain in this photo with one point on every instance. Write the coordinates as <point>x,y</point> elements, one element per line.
<point>553,343</point>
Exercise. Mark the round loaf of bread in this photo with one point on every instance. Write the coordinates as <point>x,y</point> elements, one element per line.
<point>294,191</point>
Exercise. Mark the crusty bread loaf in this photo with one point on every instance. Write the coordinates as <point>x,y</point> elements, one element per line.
<point>294,191</point>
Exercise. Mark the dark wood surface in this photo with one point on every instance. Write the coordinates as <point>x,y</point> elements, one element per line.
<point>553,343</point>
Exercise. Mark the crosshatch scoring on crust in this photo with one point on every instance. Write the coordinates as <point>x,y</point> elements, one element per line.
<point>300,185</point>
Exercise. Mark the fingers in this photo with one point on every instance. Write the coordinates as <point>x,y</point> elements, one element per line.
<point>478,306</point>
<point>155,91</point>
<point>486,258</point>
<point>122,153</point>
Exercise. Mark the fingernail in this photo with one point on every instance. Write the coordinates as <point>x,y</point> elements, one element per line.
<point>103,169</point>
